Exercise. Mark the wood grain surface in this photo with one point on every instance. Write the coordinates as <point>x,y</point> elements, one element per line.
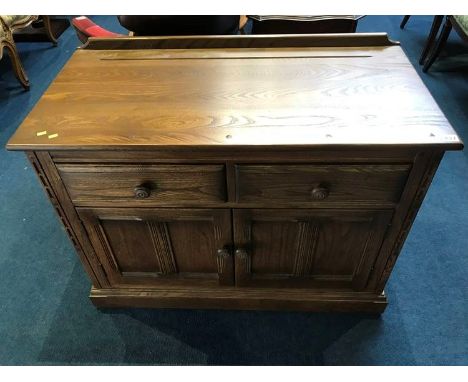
<point>241,41</point>
<point>151,247</point>
<point>340,247</point>
<point>107,99</point>
<point>115,184</point>
<point>295,183</point>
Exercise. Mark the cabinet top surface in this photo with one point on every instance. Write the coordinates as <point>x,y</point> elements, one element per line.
<point>131,98</point>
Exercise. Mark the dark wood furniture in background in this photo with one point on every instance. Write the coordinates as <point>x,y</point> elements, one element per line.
<point>180,25</point>
<point>238,172</point>
<point>278,24</point>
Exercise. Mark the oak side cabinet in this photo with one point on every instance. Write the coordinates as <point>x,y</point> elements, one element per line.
<point>237,172</point>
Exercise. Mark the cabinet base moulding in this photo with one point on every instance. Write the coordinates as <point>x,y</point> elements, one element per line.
<point>241,299</point>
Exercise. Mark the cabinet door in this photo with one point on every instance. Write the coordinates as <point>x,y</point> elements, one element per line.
<point>166,247</point>
<point>307,248</point>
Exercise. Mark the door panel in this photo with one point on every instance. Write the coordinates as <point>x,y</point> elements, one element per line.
<point>307,248</point>
<point>162,246</point>
<point>273,238</point>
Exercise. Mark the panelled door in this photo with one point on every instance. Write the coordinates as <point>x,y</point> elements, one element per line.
<point>317,248</point>
<point>142,246</point>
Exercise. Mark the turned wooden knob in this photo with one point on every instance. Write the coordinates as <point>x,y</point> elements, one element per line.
<point>141,192</point>
<point>319,193</point>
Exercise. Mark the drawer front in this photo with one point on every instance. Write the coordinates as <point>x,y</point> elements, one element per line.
<point>322,184</point>
<point>144,185</point>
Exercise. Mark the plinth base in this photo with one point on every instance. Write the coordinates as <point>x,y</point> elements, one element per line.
<point>240,298</point>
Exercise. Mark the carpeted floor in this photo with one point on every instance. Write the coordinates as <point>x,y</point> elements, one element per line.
<point>46,317</point>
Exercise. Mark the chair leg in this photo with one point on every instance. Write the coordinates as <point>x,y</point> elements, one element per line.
<point>431,38</point>
<point>404,21</point>
<point>439,45</point>
<point>48,30</point>
<point>17,66</point>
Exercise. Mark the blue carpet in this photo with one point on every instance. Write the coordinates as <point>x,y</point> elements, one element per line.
<point>46,317</point>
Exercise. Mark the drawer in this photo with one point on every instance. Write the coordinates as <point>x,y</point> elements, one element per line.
<point>330,183</point>
<point>144,185</point>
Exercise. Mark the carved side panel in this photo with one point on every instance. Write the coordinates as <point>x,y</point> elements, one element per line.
<point>98,281</point>
<point>408,222</point>
<point>50,193</point>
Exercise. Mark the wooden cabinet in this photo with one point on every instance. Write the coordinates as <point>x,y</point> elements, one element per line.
<point>237,172</point>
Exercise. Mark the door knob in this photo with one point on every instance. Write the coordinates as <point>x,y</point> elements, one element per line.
<point>141,192</point>
<point>319,193</point>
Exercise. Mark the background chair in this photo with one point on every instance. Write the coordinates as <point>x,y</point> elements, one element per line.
<point>460,24</point>
<point>46,23</point>
<point>10,23</point>
<point>7,25</point>
<point>430,39</point>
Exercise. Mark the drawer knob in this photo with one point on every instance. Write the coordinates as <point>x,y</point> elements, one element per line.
<point>319,193</point>
<point>141,192</point>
